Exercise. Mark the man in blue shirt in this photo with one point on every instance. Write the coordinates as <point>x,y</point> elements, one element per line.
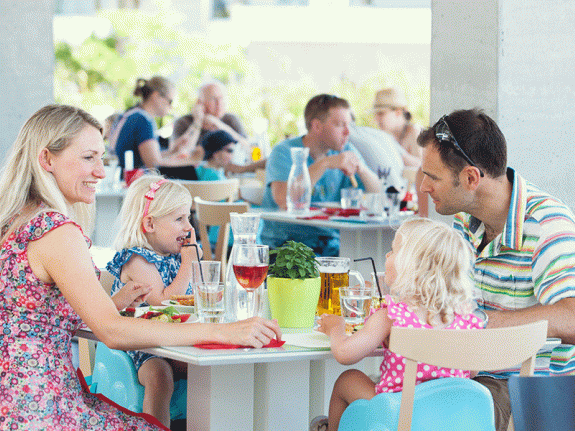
<point>331,161</point>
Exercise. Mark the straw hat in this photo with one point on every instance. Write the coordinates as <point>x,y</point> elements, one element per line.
<point>389,98</point>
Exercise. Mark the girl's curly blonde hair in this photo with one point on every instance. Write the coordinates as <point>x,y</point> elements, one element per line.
<point>433,269</point>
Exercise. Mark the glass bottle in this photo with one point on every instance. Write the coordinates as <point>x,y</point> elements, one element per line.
<point>245,230</point>
<point>298,196</point>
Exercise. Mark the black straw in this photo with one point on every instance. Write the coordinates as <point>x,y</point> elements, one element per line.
<point>374,272</point>
<point>197,254</point>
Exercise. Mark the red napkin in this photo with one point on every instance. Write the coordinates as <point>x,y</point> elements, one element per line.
<point>273,343</point>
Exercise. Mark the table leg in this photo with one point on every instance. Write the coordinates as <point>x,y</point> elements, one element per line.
<point>282,391</point>
<point>219,396</point>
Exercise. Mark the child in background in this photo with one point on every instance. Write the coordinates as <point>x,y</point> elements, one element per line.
<point>154,228</point>
<point>427,270</point>
<point>218,149</point>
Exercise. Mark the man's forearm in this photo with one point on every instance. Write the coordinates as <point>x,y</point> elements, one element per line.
<point>561,318</point>
<point>369,180</point>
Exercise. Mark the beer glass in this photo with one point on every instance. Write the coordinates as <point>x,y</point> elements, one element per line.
<point>334,272</point>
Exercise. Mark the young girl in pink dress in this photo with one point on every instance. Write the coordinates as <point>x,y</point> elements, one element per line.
<point>427,271</point>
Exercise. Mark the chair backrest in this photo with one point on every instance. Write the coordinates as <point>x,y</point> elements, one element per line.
<point>480,349</point>
<point>216,214</point>
<point>543,402</point>
<point>219,190</point>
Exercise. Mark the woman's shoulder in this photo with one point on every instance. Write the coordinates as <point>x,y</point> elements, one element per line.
<point>44,222</point>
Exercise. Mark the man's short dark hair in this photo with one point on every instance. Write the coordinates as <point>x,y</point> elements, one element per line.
<point>478,135</point>
<point>319,106</point>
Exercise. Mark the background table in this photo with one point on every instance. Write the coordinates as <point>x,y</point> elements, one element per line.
<point>357,240</point>
<point>257,389</point>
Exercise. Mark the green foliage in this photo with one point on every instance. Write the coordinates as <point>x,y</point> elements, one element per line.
<point>293,260</point>
<point>101,73</point>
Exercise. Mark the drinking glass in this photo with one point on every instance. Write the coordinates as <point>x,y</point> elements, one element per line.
<point>210,272</point>
<point>210,302</point>
<point>351,198</point>
<point>376,302</point>
<point>251,263</point>
<point>355,303</point>
<point>334,273</point>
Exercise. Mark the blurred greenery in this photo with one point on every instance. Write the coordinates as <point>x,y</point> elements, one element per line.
<point>101,73</point>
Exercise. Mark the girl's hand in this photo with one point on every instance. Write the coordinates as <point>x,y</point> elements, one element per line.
<point>255,332</point>
<point>188,251</point>
<point>131,295</point>
<point>330,323</point>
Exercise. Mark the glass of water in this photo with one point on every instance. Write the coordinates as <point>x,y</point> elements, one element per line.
<point>210,302</point>
<point>355,303</point>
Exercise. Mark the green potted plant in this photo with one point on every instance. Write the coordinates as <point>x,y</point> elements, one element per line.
<point>293,285</point>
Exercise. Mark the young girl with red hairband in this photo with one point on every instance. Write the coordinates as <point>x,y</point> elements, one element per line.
<point>154,226</point>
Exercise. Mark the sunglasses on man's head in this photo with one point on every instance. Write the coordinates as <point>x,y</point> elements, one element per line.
<point>443,134</point>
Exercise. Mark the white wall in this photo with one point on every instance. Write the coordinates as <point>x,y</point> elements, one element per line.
<point>515,59</point>
<point>26,64</point>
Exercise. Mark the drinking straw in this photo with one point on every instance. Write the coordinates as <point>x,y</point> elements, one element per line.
<point>374,272</point>
<point>197,254</point>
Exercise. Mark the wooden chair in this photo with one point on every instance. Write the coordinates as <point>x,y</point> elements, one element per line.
<point>220,190</point>
<point>485,349</point>
<point>216,214</point>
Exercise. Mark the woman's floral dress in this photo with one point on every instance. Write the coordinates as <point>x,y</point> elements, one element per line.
<point>39,387</point>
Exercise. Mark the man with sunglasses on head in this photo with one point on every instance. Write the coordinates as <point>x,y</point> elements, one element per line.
<point>524,239</point>
<point>332,161</point>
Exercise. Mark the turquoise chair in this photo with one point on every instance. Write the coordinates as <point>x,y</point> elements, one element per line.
<point>115,377</point>
<point>448,404</point>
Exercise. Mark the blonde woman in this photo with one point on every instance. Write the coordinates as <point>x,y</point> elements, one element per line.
<point>136,130</point>
<point>49,286</point>
<point>427,270</point>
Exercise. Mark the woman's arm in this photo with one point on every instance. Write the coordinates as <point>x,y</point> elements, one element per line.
<point>351,349</point>
<point>61,256</point>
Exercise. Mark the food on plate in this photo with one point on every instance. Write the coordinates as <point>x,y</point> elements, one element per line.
<point>128,312</point>
<point>183,299</point>
<point>167,314</point>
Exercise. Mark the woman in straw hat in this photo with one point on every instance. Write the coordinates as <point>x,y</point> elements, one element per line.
<point>391,115</point>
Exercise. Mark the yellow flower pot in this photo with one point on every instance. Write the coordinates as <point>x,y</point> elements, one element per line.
<point>293,302</point>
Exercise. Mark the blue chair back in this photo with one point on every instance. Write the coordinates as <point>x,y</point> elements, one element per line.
<point>115,377</point>
<point>543,403</point>
<point>449,404</point>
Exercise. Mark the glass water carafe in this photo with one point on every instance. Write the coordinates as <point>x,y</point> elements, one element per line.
<point>298,196</point>
<point>245,230</point>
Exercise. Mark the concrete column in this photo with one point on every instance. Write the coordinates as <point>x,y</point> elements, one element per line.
<point>26,64</point>
<point>514,59</point>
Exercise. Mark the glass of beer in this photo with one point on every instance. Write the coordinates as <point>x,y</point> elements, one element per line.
<point>334,272</point>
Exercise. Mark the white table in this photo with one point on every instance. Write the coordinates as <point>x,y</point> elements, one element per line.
<point>257,389</point>
<point>357,240</point>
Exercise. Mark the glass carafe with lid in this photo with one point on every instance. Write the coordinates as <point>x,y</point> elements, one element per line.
<point>298,196</point>
<point>245,228</point>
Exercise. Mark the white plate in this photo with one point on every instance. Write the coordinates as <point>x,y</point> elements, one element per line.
<point>181,308</point>
<point>142,310</point>
<point>311,340</point>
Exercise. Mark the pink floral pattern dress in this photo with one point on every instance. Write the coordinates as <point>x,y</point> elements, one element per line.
<point>393,366</point>
<point>39,387</point>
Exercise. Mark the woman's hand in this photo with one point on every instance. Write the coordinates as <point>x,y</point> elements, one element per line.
<point>255,332</point>
<point>131,295</point>
<point>330,324</point>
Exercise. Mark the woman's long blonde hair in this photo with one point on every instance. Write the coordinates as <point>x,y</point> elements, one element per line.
<point>167,198</point>
<point>433,266</point>
<point>24,183</point>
